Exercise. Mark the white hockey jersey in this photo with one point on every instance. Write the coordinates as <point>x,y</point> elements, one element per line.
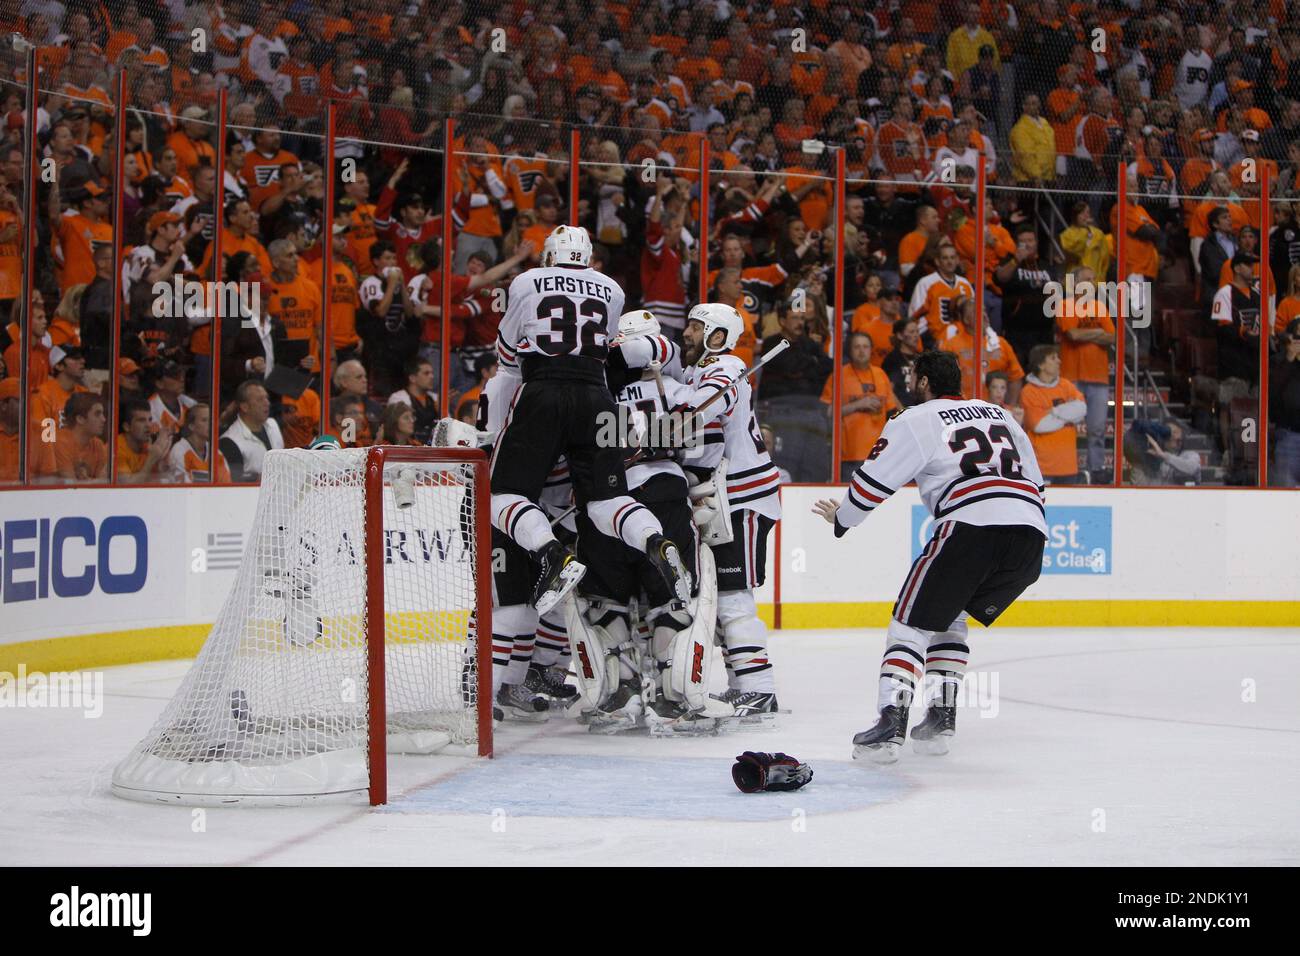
<point>643,403</point>
<point>970,460</point>
<point>559,311</point>
<point>731,427</point>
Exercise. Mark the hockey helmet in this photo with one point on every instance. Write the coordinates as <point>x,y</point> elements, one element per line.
<point>714,316</point>
<point>635,325</point>
<point>452,433</point>
<point>567,246</point>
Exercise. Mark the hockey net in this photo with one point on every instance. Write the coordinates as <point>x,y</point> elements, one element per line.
<point>350,632</point>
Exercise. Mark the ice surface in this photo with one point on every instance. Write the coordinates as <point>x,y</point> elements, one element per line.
<point>1102,747</point>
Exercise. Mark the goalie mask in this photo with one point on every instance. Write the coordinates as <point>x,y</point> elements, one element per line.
<point>714,316</point>
<point>634,325</point>
<point>450,433</point>
<point>567,246</point>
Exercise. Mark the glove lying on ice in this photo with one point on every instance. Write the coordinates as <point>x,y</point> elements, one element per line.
<point>755,772</point>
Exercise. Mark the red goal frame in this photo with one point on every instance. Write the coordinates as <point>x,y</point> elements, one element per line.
<point>376,459</point>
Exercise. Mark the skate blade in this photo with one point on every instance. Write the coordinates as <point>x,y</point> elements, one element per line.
<point>882,754</point>
<point>763,721</point>
<point>569,577</point>
<point>526,716</point>
<point>934,747</point>
<point>607,727</point>
<point>709,727</point>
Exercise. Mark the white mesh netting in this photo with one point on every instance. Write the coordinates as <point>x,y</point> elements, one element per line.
<point>275,707</point>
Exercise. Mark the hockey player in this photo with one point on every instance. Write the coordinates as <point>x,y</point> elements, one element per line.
<point>514,623</point>
<point>670,688</point>
<point>977,473</point>
<point>556,331</point>
<point>742,496</point>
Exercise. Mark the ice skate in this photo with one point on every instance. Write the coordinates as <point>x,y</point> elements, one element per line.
<point>517,702</point>
<point>561,572</point>
<point>880,744</point>
<point>670,718</point>
<point>750,706</point>
<point>550,682</point>
<point>667,561</point>
<point>933,734</point>
<point>622,710</point>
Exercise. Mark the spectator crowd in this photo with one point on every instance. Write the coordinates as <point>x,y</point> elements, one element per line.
<point>1192,103</point>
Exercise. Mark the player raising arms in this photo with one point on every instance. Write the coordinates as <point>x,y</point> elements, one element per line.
<point>977,474</point>
<point>556,331</point>
<point>742,492</point>
<point>621,687</point>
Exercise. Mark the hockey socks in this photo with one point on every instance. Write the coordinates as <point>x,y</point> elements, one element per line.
<point>522,521</point>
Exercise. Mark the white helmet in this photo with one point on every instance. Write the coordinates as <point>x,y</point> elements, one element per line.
<point>715,315</point>
<point>567,246</point>
<point>635,325</point>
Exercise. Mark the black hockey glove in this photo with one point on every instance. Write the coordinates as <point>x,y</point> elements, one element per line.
<point>756,772</point>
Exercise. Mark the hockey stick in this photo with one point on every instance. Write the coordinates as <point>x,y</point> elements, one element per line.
<point>640,452</point>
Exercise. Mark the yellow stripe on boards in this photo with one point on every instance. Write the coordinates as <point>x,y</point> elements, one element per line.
<point>818,614</point>
<point>183,641</point>
<point>104,650</point>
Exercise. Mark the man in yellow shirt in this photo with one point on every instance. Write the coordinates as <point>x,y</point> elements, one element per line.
<point>964,43</point>
<point>1033,145</point>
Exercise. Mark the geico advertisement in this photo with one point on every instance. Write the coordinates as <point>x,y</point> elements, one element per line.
<point>72,556</point>
<point>93,560</point>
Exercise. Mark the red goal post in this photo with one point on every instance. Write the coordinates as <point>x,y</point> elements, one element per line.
<point>378,457</point>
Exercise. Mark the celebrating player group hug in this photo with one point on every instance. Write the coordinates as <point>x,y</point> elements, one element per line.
<point>629,553</point>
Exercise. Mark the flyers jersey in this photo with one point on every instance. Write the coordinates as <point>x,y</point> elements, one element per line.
<point>970,460</point>
<point>933,298</point>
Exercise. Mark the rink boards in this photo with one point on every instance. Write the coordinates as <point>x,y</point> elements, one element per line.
<point>92,577</point>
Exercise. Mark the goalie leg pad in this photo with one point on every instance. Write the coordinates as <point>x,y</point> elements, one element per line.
<point>594,644</point>
<point>691,654</point>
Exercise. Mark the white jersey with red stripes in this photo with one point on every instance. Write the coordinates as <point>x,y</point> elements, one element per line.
<point>643,402</point>
<point>752,478</point>
<point>557,311</point>
<point>731,427</point>
<point>970,461</point>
